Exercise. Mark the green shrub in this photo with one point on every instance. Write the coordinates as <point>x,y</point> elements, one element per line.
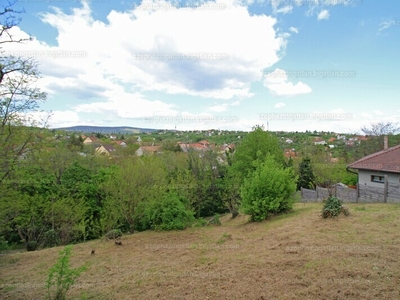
<point>214,221</point>
<point>333,207</point>
<point>360,208</point>
<point>62,276</point>
<point>51,239</point>
<point>270,189</point>
<point>113,234</point>
<point>169,213</point>
<point>31,246</point>
<point>200,222</point>
<point>3,244</point>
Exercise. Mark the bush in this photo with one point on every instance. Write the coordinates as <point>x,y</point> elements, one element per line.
<point>31,246</point>
<point>51,239</point>
<point>333,207</point>
<point>200,222</point>
<point>215,221</point>
<point>169,214</point>
<point>270,189</point>
<point>113,234</point>
<point>62,276</point>
<point>3,244</point>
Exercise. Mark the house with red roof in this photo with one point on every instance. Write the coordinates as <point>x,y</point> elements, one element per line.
<point>380,170</point>
<point>289,153</point>
<point>148,150</point>
<point>199,146</point>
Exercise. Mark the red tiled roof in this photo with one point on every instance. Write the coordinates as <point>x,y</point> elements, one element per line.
<point>289,153</point>
<point>196,146</point>
<point>385,160</point>
<point>109,148</point>
<point>151,148</point>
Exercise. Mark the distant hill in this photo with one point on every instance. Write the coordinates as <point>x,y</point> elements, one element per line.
<point>105,129</point>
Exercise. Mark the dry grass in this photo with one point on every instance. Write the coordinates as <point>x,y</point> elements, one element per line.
<point>295,256</point>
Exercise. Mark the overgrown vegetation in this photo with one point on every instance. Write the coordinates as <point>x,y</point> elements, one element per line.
<point>113,234</point>
<point>61,276</point>
<point>333,207</point>
<point>56,191</point>
<point>269,190</point>
<point>170,213</point>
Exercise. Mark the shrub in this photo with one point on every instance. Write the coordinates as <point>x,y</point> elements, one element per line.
<point>169,214</point>
<point>113,234</point>
<point>200,222</point>
<point>215,221</point>
<point>31,246</point>
<point>62,276</point>
<point>270,189</point>
<point>333,207</point>
<point>3,244</point>
<point>51,239</point>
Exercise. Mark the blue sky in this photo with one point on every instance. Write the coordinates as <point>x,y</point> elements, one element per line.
<point>292,65</point>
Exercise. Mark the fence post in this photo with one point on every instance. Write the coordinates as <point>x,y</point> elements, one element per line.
<point>385,189</point>
<point>358,192</point>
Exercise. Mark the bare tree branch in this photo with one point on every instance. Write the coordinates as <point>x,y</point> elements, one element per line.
<point>381,128</point>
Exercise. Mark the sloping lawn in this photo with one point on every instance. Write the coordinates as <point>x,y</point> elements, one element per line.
<point>295,256</point>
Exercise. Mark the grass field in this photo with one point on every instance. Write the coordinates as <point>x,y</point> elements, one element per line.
<point>295,256</point>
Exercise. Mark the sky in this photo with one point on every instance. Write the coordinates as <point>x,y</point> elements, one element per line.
<point>289,65</point>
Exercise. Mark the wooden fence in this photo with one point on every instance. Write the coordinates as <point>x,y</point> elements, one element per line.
<point>390,193</point>
<point>344,193</point>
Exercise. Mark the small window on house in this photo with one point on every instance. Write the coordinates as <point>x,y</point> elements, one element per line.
<point>378,178</point>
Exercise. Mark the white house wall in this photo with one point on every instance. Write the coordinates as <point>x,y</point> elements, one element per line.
<point>364,178</point>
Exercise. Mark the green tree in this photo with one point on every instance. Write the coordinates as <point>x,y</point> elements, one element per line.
<point>171,212</point>
<point>207,172</point>
<point>268,190</point>
<point>253,150</point>
<point>169,145</point>
<point>62,276</point>
<point>256,146</point>
<point>306,176</point>
<point>137,180</point>
<point>19,95</point>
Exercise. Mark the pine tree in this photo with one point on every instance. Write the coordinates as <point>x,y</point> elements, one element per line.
<point>306,177</point>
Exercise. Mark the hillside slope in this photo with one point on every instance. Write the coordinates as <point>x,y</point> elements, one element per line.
<point>295,256</point>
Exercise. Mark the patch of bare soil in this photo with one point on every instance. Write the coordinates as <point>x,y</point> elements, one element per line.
<point>295,256</point>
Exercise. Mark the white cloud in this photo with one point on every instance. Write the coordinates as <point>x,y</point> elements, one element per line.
<point>294,29</point>
<point>121,104</point>
<point>323,15</point>
<point>209,66</point>
<point>284,10</point>
<point>56,119</point>
<point>387,24</point>
<point>277,83</point>
<point>219,107</point>
<point>378,112</point>
<point>337,111</point>
<point>279,105</point>
<point>101,63</point>
<point>366,115</point>
<point>236,103</point>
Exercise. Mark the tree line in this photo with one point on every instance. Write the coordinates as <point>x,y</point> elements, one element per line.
<point>56,192</point>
